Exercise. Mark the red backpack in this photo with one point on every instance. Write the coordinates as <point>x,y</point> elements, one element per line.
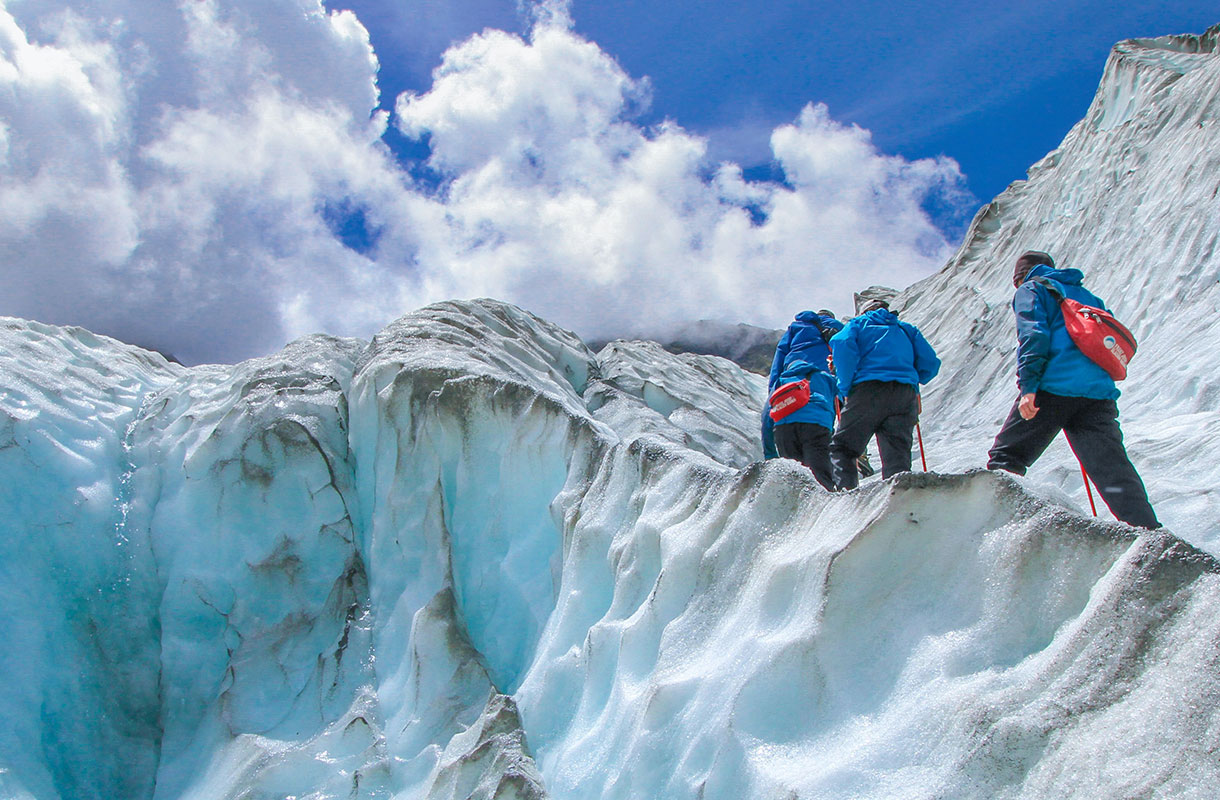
<point>788,398</point>
<point>1096,332</point>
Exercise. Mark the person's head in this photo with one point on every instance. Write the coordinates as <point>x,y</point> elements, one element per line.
<point>1027,261</point>
<point>874,305</point>
<point>826,312</point>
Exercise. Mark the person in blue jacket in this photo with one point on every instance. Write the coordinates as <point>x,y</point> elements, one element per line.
<point>879,362</point>
<point>804,434</point>
<point>806,339</point>
<point>1062,389</point>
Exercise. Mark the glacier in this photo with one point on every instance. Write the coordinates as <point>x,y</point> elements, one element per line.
<point>472,558</point>
<point>1131,197</point>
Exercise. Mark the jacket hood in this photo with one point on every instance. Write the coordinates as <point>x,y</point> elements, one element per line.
<point>881,316</point>
<point>812,318</point>
<point>1070,277</point>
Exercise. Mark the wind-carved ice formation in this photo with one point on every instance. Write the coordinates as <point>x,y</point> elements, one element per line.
<point>1132,198</point>
<point>474,559</point>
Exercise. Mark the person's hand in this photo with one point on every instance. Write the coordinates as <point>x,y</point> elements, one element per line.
<point>1027,406</point>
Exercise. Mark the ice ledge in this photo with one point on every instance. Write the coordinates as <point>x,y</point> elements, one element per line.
<point>1138,70</point>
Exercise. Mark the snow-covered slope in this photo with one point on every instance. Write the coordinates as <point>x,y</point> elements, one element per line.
<point>1131,197</point>
<point>473,559</point>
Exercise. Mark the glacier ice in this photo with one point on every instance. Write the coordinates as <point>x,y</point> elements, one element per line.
<point>422,567</point>
<point>474,559</point>
<point>1131,197</point>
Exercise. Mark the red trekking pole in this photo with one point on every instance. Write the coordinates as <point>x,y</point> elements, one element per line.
<point>919,433</point>
<point>1088,489</point>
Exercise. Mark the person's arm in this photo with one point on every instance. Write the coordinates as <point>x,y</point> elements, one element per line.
<point>845,349</point>
<point>1033,336</point>
<point>927,363</point>
<point>777,363</point>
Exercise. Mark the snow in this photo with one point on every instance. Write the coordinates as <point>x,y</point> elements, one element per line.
<point>473,559</point>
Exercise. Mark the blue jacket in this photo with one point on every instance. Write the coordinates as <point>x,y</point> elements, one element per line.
<point>820,410</point>
<point>1047,358</point>
<point>876,346</point>
<point>802,341</point>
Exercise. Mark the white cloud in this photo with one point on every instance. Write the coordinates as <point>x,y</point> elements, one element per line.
<point>557,201</point>
<point>166,167</point>
<point>173,174</point>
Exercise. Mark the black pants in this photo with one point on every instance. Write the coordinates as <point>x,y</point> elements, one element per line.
<point>809,444</point>
<point>1091,428</point>
<point>886,409</point>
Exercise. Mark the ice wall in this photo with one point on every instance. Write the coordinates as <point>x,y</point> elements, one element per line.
<point>80,618</point>
<point>1131,197</point>
<point>472,559</point>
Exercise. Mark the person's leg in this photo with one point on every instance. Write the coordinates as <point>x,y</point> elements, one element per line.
<point>856,426</point>
<point>897,431</point>
<point>1021,441</point>
<point>1097,440</point>
<point>786,441</point>
<point>815,453</point>
<point>768,434</point>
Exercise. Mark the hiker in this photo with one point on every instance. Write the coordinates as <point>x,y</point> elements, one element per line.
<point>806,339</point>
<point>1062,389</point>
<point>879,363</point>
<point>804,434</point>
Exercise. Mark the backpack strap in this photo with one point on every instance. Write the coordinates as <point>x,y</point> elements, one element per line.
<point>1051,287</point>
<point>826,334</point>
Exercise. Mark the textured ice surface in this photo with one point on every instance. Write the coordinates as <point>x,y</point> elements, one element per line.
<point>423,568</point>
<point>472,559</point>
<point>1131,197</point>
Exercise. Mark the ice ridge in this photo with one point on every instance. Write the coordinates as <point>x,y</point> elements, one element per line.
<point>1132,198</point>
<point>433,566</point>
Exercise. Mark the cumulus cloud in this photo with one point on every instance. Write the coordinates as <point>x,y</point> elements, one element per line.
<point>556,199</point>
<point>166,166</point>
<point>209,177</point>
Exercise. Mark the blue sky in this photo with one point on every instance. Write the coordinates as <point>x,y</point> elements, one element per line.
<point>994,86</point>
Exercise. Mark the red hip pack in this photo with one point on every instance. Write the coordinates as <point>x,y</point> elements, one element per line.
<point>1100,336</point>
<point>788,398</point>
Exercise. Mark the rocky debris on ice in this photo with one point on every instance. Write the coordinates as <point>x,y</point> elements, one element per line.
<point>490,760</point>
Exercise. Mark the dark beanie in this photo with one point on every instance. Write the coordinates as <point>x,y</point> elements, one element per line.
<point>1028,260</point>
